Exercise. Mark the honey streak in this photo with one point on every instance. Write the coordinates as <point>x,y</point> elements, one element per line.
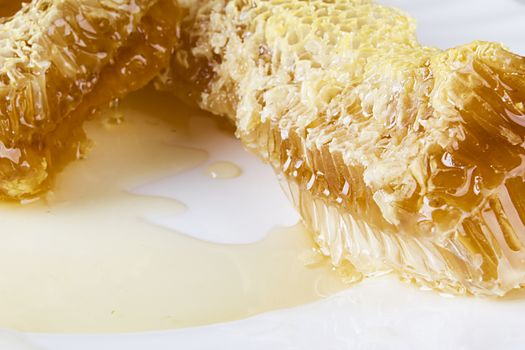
<point>84,259</point>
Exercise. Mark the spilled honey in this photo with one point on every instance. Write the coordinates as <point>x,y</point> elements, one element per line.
<point>85,259</point>
<point>223,170</point>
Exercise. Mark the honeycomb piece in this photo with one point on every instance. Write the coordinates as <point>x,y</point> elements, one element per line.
<point>399,157</point>
<point>59,61</point>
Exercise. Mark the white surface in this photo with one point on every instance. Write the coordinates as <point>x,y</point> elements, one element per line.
<point>378,313</point>
<point>203,195</point>
<point>449,23</point>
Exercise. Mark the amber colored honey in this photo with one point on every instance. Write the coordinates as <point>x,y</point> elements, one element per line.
<point>9,7</point>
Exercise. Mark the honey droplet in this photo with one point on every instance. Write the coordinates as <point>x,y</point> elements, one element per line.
<point>223,170</point>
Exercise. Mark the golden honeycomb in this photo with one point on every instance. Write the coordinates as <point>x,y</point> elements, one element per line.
<point>399,157</point>
<point>60,60</point>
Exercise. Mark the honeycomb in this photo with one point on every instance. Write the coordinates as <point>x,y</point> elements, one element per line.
<point>399,157</point>
<point>60,60</point>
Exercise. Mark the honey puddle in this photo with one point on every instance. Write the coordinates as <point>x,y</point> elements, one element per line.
<point>85,259</point>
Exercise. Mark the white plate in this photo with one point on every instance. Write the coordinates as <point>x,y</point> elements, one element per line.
<point>376,314</point>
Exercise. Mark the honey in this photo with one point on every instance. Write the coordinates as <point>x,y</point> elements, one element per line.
<point>223,170</point>
<point>87,258</point>
<point>9,7</point>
